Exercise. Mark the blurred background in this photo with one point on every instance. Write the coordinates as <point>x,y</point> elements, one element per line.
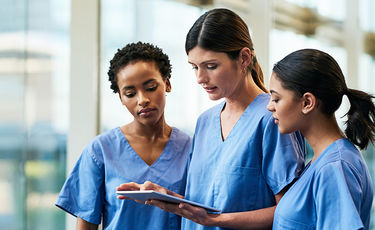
<point>55,96</point>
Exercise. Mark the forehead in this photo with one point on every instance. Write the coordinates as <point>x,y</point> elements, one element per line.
<point>275,82</point>
<point>139,69</point>
<point>276,88</point>
<point>198,55</point>
<point>138,72</point>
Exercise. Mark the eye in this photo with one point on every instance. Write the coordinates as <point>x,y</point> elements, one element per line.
<point>129,95</point>
<point>275,100</point>
<point>211,66</point>
<point>194,67</point>
<point>152,88</point>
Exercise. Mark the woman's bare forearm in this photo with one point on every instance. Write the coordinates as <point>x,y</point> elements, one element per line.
<point>84,225</point>
<point>257,219</point>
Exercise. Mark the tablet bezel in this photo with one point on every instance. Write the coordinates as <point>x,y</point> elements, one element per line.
<point>151,194</point>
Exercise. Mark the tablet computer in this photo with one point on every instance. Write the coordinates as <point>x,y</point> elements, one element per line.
<point>150,194</point>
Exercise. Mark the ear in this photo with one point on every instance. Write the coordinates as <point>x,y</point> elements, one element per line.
<point>245,57</point>
<point>168,85</point>
<point>309,103</point>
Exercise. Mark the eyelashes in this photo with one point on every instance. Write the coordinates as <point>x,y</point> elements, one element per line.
<point>133,93</point>
<point>208,66</point>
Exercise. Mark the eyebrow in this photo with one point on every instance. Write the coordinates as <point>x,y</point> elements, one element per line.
<point>211,60</point>
<point>273,91</point>
<point>148,81</point>
<point>133,87</point>
<point>127,87</point>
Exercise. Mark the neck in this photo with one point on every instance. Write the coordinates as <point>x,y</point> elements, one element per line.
<point>321,132</point>
<point>243,95</point>
<point>159,130</point>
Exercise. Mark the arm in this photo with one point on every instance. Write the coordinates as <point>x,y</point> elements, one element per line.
<point>84,225</point>
<point>257,219</point>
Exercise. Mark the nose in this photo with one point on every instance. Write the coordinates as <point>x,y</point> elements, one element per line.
<point>143,99</point>
<point>201,76</point>
<point>270,106</point>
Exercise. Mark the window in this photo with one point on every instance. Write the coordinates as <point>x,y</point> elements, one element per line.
<point>34,80</point>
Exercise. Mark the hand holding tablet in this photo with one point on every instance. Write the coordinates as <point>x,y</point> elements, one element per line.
<point>144,195</point>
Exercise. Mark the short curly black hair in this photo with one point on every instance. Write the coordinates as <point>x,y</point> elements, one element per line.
<point>139,51</point>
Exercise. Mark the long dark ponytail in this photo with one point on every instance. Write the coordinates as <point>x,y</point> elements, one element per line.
<point>361,116</point>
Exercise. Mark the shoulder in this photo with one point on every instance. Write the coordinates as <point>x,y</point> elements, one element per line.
<point>106,137</point>
<point>216,109</point>
<point>342,161</point>
<point>180,140</point>
<point>105,141</point>
<point>259,105</point>
<point>342,152</point>
<point>179,135</point>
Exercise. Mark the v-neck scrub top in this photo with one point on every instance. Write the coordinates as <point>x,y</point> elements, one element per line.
<point>245,171</point>
<point>108,161</point>
<point>334,192</point>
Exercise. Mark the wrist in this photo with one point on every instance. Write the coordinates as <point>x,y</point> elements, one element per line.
<point>213,220</point>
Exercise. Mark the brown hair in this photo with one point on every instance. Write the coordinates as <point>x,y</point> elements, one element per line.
<point>222,30</point>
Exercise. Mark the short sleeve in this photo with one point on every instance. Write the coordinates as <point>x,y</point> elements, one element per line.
<point>336,189</point>
<point>283,156</point>
<point>83,192</point>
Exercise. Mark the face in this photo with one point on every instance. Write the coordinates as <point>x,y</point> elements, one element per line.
<point>142,91</point>
<point>219,76</point>
<point>284,105</point>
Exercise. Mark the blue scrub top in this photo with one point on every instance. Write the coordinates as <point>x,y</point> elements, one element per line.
<point>334,192</point>
<point>108,161</point>
<point>245,171</point>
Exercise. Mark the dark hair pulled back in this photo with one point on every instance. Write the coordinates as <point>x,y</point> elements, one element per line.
<point>222,30</point>
<point>314,71</point>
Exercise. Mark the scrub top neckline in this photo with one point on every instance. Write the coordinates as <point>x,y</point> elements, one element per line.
<point>333,144</point>
<point>135,155</point>
<point>311,165</point>
<point>239,121</point>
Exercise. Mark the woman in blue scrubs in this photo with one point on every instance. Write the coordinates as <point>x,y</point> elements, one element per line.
<point>145,149</point>
<point>240,163</point>
<point>335,190</point>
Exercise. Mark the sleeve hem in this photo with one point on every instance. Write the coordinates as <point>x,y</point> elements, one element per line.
<point>278,189</point>
<point>76,214</point>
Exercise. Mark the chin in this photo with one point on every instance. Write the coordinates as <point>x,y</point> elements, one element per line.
<point>214,97</point>
<point>284,131</point>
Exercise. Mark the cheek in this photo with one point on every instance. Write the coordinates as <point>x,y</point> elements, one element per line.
<point>160,98</point>
<point>217,76</point>
<point>129,106</point>
<point>284,109</point>
<point>282,113</point>
<point>129,103</point>
<point>289,121</point>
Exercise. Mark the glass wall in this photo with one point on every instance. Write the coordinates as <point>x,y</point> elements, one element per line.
<point>34,77</point>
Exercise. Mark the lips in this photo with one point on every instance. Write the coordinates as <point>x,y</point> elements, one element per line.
<point>146,112</point>
<point>210,89</point>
